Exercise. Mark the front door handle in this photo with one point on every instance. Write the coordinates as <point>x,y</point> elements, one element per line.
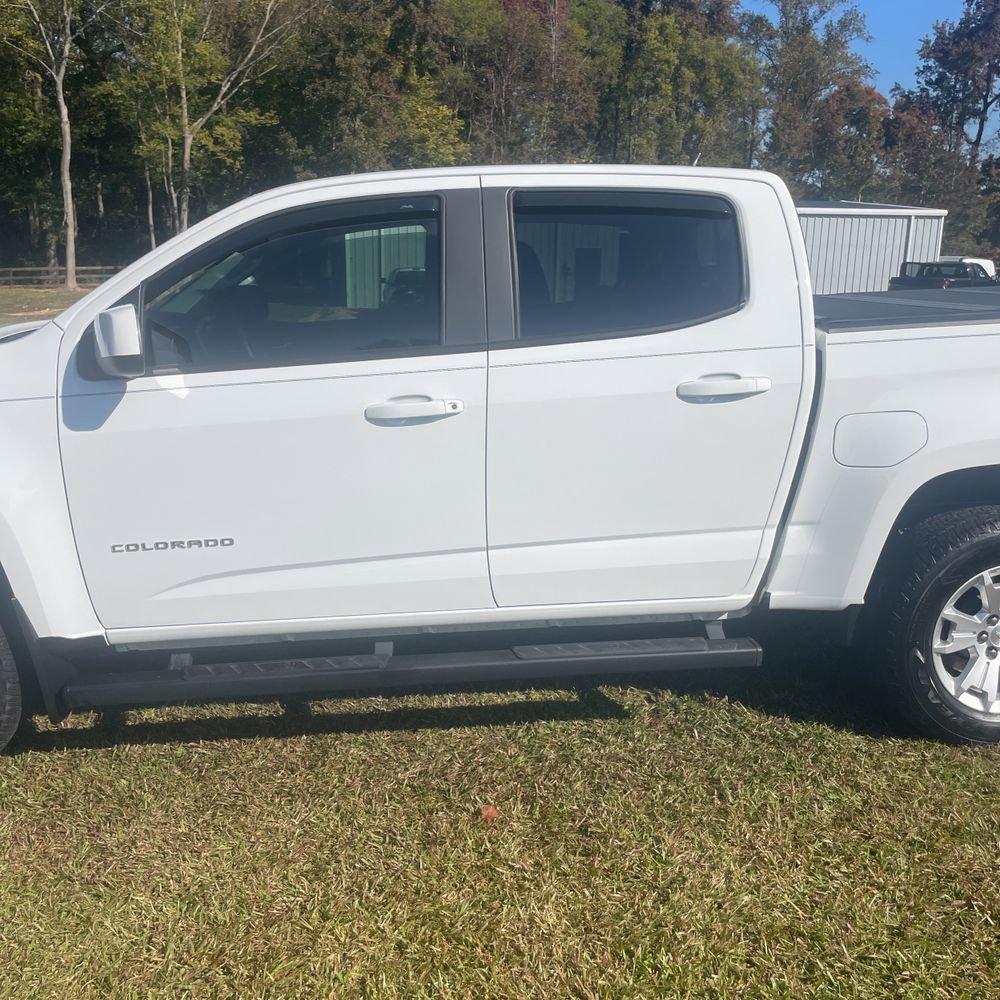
<point>413,408</point>
<point>710,388</point>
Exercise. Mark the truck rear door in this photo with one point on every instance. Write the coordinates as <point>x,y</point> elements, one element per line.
<point>650,373</point>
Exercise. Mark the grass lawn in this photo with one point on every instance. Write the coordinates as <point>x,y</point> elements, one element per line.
<point>764,835</point>
<point>21,303</point>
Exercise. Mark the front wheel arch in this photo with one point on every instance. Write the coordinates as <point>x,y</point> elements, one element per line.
<point>10,627</point>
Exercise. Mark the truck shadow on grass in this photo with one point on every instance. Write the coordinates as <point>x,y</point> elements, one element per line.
<point>300,718</point>
<point>819,688</point>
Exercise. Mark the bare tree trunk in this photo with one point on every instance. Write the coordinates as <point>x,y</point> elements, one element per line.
<point>51,251</point>
<point>66,183</point>
<point>753,139</point>
<point>57,28</point>
<point>150,218</point>
<point>187,141</point>
<point>169,188</point>
<point>100,200</point>
<point>549,117</point>
<point>187,138</point>
<point>268,34</point>
<point>34,226</point>
<point>985,112</point>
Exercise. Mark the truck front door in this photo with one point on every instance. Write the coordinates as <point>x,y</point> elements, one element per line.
<point>308,441</point>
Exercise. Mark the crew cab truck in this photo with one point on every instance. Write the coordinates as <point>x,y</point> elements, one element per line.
<point>954,273</point>
<point>499,423</point>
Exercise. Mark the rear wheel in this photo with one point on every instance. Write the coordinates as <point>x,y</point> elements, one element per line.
<point>944,627</point>
<point>10,694</point>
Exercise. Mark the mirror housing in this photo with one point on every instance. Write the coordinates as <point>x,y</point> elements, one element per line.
<point>119,343</point>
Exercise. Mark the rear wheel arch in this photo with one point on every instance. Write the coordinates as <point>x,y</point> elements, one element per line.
<point>952,491</point>
<point>953,552</point>
<point>951,519</point>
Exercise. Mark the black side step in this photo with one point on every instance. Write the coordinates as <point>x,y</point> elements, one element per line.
<point>318,676</point>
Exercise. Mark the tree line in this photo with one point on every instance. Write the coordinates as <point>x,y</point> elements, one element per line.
<point>123,122</point>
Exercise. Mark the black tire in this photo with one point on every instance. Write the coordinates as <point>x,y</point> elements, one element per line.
<point>939,555</point>
<point>10,694</point>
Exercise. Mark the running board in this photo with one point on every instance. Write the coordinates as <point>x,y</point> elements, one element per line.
<point>319,676</point>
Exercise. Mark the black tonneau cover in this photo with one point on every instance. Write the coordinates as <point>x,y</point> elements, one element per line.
<point>906,308</point>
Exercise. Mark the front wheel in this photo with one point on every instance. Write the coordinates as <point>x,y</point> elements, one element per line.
<point>10,694</point>
<point>944,627</point>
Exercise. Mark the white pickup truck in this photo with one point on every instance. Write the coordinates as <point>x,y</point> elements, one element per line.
<point>498,423</point>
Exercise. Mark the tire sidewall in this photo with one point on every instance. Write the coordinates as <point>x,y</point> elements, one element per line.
<point>10,694</point>
<point>920,679</point>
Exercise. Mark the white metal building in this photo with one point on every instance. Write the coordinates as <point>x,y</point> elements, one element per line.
<point>855,246</point>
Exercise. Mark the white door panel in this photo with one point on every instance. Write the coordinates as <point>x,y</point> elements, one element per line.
<point>624,491</point>
<point>309,441</point>
<point>329,513</point>
<point>621,466</point>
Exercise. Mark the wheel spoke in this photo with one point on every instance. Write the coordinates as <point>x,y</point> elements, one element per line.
<point>955,643</point>
<point>961,619</point>
<point>989,592</point>
<point>991,682</point>
<point>972,676</point>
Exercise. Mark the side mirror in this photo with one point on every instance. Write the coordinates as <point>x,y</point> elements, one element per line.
<point>119,343</point>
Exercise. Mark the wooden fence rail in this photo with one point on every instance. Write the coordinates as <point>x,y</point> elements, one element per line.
<point>89,275</point>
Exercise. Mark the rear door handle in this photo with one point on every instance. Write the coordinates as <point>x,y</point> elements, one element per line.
<point>712,387</point>
<point>413,408</point>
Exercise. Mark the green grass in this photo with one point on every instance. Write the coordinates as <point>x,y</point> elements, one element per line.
<point>765,835</point>
<point>22,303</point>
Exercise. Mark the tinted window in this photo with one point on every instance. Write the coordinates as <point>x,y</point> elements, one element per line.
<point>943,270</point>
<point>318,294</point>
<point>593,263</point>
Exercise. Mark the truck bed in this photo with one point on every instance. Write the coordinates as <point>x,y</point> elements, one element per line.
<point>923,307</point>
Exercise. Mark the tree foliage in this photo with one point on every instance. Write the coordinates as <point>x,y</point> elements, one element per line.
<point>848,141</point>
<point>178,107</point>
<point>959,75</point>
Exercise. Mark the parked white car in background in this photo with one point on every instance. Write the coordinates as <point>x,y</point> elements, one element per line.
<point>494,423</point>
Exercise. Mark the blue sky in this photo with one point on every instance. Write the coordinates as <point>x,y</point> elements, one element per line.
<point>896,27</point>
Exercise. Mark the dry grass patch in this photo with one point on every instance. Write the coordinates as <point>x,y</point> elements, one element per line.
<point>23,303</point>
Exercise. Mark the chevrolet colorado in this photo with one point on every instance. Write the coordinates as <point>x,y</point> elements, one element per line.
<point>498,423</point>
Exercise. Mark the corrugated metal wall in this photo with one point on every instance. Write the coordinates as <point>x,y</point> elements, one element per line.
<point>372,256</point>
<point>926,241</point>
<point>557,248</point>
<point>855,252</point>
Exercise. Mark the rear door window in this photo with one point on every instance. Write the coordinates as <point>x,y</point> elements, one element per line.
<point>595,264</point>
